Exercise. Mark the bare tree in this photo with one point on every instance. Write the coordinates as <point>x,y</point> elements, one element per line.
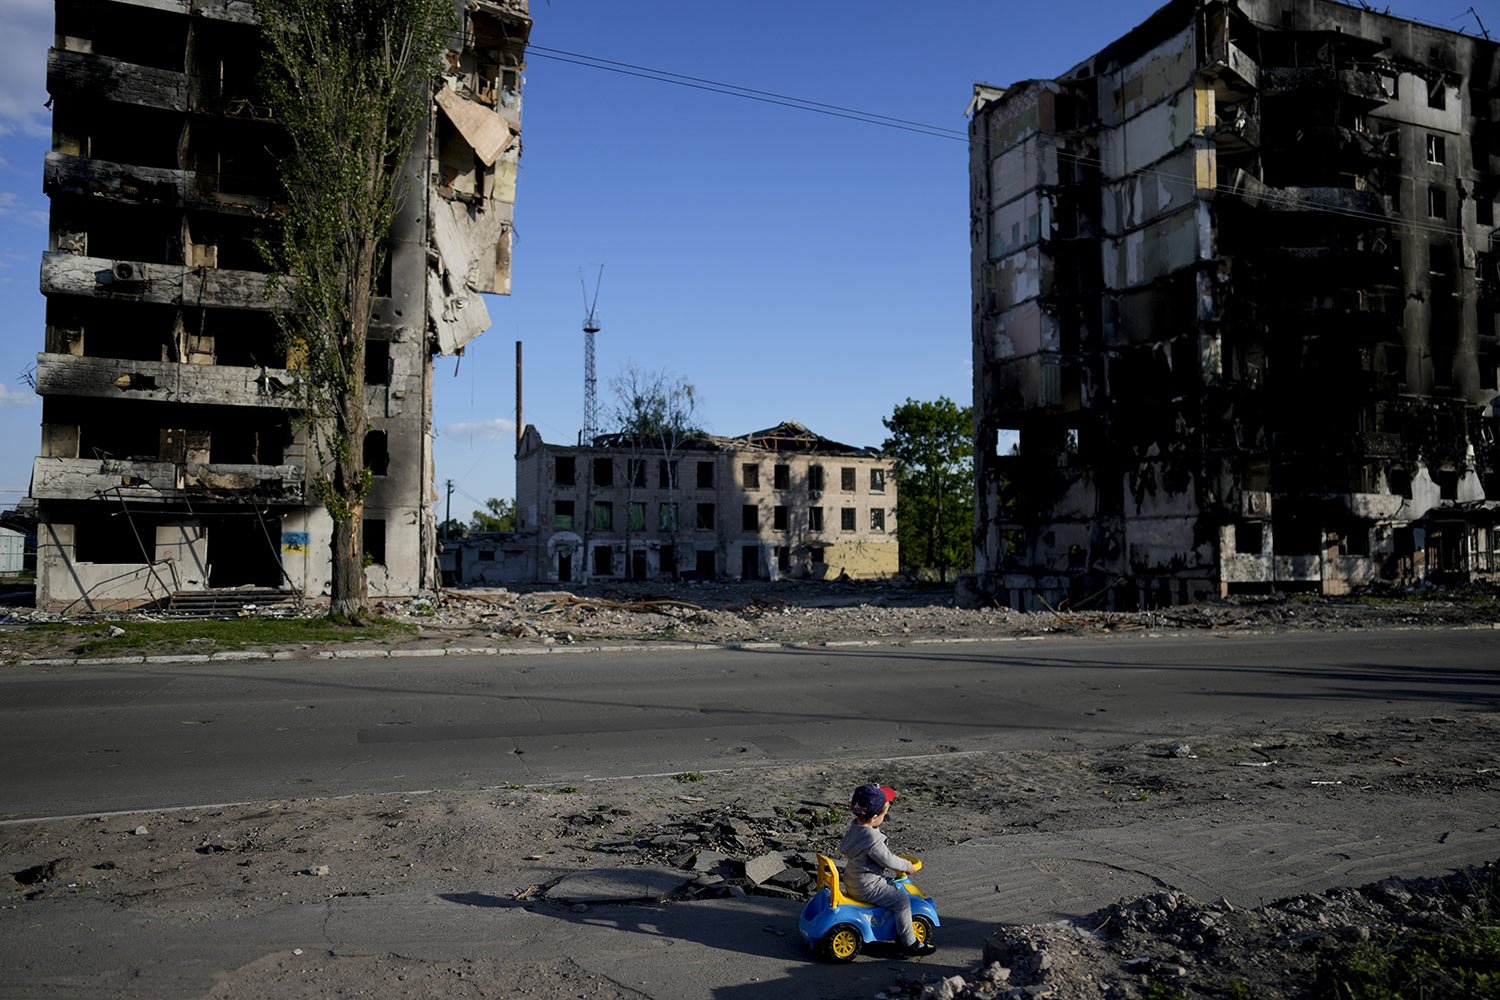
<point>654,414</point>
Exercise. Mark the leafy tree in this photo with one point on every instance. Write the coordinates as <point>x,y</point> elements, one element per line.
<point>453,528</point>
<point>933,444</point>
<point>350,81</point>
<point>654,414</point>
<point>499,515</point>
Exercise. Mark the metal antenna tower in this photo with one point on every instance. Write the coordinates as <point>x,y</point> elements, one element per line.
<point>591,326</point>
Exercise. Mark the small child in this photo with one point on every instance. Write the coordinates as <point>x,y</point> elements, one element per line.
<point>869,857</point>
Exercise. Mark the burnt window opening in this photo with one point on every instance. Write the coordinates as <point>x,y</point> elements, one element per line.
<point>562,515</point>
<point>815,478</point>
<point>374,532</point>
<point>1484,210</point>
<point>750,476</point>
<point>1398,481</point>
<point>705,475</point>
<point>1356,541</point>
<point>877,519</point>
<point>704,519</point>
<point>604,472</point>
<point>666,474</point>
<point>781,477</point>
<point>669,560</point>
<point>237,337</point>
<point>1295,536</point>
<point>847,519</point>
<point>1249,538</point>
<point>377,453</point>
<point>604,560</point>
<point>604,515</point>
<point>1437,203</point>
<point>779,518</point>
<point>846,479</point>
<point>564,472</point>
<point>784,559</point>
<point>113,540</point>
<point>1447,481</point>
<point>705,564</point>
<point>877,480</point>
<point>1437,149</point>
<point>1437,94</point>
<point>233,446</point>
<point>377,362</point>
<point>750,517</point>
<point>815,519</point>
<point>635,472</point>
<point>817,555</point>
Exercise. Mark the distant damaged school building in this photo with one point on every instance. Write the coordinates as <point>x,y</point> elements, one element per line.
<point>172,458</point>
<point>1234,310</point>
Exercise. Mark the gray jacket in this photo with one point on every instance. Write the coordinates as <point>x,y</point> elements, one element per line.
<point>866,849</point>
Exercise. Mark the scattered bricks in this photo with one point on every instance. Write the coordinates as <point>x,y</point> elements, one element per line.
<point>760,869</point>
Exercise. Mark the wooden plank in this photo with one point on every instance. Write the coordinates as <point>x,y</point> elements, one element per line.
<point>169,284</point>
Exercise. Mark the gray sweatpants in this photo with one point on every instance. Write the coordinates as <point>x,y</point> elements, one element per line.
<point>869,888</point>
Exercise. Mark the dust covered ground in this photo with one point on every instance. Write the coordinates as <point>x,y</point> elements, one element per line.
<point>754,831</point>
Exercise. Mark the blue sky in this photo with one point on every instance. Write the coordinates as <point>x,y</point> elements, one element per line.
<point>790,265</point>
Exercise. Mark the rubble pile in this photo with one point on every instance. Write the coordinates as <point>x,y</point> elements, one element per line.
<point>1167,945</point>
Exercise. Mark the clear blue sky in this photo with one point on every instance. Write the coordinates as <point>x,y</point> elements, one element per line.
<point>790,265</point>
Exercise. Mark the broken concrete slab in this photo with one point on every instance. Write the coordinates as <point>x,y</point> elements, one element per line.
<point>764,867</point>
<point>618,885</point>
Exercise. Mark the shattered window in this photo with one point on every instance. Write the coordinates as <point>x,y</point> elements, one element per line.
<point>817,554</point>
<point>705,475</point>
<point>1437,94</point>
<point>779,518</point>
<point>846,519</point>
<point>846,480</point>
<point>1437,149</point>
<point>604,472</point>
<point>815,519</point>
<point>750,477</point>
<point>877,519</point>
<point>1437,203</point>
<point>666,474</point>
<point>635,471</point>
<point>377,453</point>
<point>781,477</point>
<point>705,517</point>
<point>877,480</point>
<point>815,478</point>
<point>564,473</point>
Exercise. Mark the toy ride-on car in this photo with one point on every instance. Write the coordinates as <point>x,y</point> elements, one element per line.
<point>839,927</point>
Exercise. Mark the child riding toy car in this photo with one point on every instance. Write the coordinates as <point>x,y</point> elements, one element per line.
<point>839,927</point>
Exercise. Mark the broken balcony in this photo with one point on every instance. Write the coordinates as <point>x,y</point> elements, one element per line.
<point>170,284</point>
<point>1320,81</point>
<point>163,381</point>
<point>165,482</point>
<point>122,182</point>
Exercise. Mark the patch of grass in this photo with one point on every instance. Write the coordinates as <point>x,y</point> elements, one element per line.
<point>567,789</point>
<point>687,776</point>
<point>1161,991</point>
<point>1465,963</point>
<point>233,633</point>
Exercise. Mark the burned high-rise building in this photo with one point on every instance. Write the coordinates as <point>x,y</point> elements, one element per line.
<point>1234,306</point>
<point>173,459</point>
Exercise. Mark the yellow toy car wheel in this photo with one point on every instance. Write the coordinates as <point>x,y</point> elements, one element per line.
<point>843,943</point>
<point>923,928</point>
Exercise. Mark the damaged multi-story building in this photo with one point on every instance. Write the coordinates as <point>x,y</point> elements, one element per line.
<point>173,459</point>
<point>1234,310</point>
<point>781,503</point>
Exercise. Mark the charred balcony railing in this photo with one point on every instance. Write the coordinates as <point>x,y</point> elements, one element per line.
<point>164,381</point>
<point>166,482</point>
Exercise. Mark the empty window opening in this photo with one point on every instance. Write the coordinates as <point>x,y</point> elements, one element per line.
<point>817,555</point>
<point>815,478</point>
<point>1437,203</point>
<point>750,477</point>
<point>705,565</point>
<point>377,453</point>
<point>1437,94</point>
<point>114,540</point>
<point>877,480</point>
<point>1296,536</point>
<point>784,559</point>
<point>781,477</point>
<point>1356,542</point>
<point>1447,480</point>
<point>486,555</point>
<point>705,475</point>
<point>666,474</point>
<point>1437,149</point>
<point>562,515</point>
<point>750,562</point>
<point>1008,441</point>
<point>604,515</point>
<point>779,518</point>
<point>750,517</point>
<point>1249,538</point>
<point>604,560</point>
<point>666,517</point>
<point>846,519</point>
<point>638,564</point>
<point>232,446</point>
<point>604,472</point>
<point>669,560</point>
<point>1484,210</point>
<point>1399,482</point>
<point>704,518</point>
<point>877,519</point>
<point>374,540</point>
<point>846,479</point>
<point>635,472</point>
<point>564,473</point>
<point>377,362</point>
<point>815,519</point>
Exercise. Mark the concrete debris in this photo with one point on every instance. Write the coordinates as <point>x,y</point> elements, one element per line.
<point>763,868</point>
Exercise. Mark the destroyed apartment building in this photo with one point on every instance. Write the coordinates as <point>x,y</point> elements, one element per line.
<point>1234,311</point>
<point>173,458</point>
<point>776,504</point>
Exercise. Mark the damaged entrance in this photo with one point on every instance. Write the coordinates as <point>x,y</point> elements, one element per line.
<point>243,550</point>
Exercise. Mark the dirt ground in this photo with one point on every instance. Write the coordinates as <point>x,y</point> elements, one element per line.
<point>729,834</point>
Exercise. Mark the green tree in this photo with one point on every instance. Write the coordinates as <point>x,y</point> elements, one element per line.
<point>499,515</point>
<point>654,414</point>
<point>350,81</point>
<point>933,445</point>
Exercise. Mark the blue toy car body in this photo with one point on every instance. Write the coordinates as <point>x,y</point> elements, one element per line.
<point>839,927</point>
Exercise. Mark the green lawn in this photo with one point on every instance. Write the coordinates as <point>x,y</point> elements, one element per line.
<point>93,639</point>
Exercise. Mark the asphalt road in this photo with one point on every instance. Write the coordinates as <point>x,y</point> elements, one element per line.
<point>79,740</point>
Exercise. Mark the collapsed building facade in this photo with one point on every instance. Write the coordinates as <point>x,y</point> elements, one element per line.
<point>778,503</point>
<point>173,459</point>
<point>1234,310</point>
